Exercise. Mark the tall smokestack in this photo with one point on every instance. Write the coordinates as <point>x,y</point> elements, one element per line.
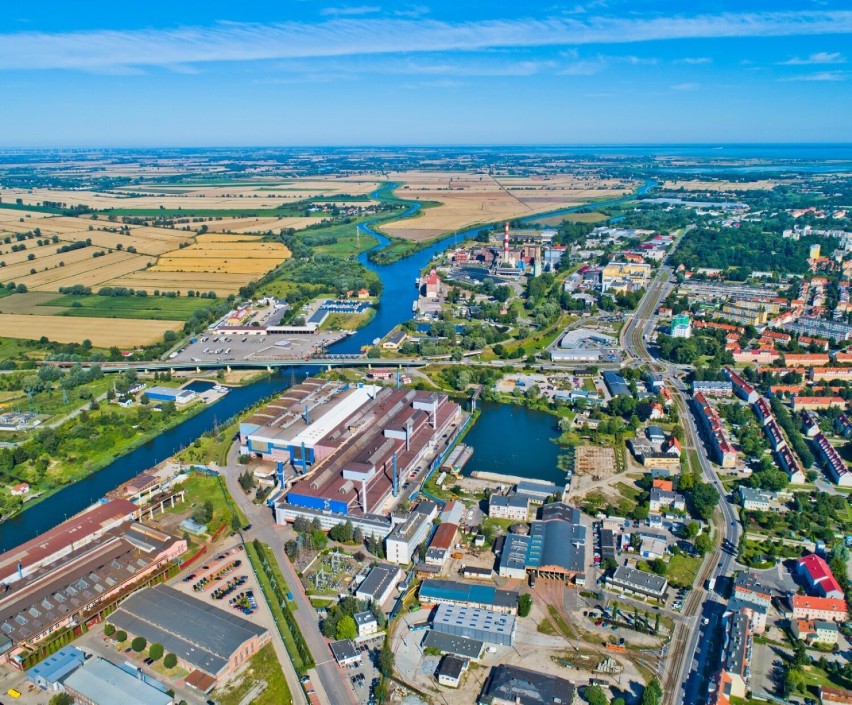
<point>395,477</point>
<point>506,242</point>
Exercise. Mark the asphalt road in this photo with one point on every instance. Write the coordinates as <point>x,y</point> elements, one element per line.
<point>687,668</point>
<point>330,676</point>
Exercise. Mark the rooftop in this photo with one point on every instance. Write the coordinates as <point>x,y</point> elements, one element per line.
<point>451,666</point>
<point>104,683</point>
<point>197,632</point>
<point>524,687</point>
<point>448,617</point>
<point>452,644</point>
<point>379,579</point>
<point>464,592</point>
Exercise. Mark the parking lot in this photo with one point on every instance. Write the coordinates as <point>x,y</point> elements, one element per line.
<point>230,347</point>
<point>363,677</point>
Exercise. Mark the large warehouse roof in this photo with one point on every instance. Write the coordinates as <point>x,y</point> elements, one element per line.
<point>198,633</point>
<point>454,591</point>
<point>104,683</point>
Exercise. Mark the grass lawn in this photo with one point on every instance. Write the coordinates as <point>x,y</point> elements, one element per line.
<point>560,623</point>
<point>274,605</point>
<point>159,308</point>
<point>264,667</point>
<point>210,447</point>
<point>201,488</point>
<point>348,321</point>
<point>545,626</point>
<point>683,570</point>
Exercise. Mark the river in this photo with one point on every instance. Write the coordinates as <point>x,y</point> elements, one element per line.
<point>393,308</point>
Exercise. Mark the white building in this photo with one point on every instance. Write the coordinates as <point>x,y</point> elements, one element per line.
<point>367,623</point>
<point>406,536</point>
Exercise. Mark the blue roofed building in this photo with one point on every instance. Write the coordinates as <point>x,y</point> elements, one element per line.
<point>616,384</point>
<point>49,674</point>
<point>100,682</point>
<point>451,592</point>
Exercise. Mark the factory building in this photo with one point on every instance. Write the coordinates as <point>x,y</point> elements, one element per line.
<point>100,682</point>
<point>475,623</point>
<point>358,443</point>
<point>83,582</point>
<point>512,685</point>
<point>379,583</point>
<point>451,592</point>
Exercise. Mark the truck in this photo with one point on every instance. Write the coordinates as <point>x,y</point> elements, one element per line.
<point>711,584</point>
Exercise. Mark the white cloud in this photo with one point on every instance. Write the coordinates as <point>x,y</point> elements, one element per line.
<point>686,86</point>
<point>695,60</point>
<point>348,36</point>
<point>821,57</point>
<point>819,76</point>
<point>350,11</point>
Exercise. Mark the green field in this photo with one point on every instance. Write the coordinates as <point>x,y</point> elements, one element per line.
<point>159,308</point>
<point>683,570</point>
<point>263,666</point>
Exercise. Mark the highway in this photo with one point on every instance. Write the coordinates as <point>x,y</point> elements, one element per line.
<point>686,671</point>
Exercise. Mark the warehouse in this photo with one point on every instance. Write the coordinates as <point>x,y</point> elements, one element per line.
<point>441,543</point>
<point>379,583</point>
<point>202,636</point>
<point>49,674</point>
<point>512,685</point>
<point>99,682</point>
<point>173,394</point>
<point>474,623</point>
<point>450,644</point>
<point>616,384</point>
<point>451,592</point>
<point>85,584</point>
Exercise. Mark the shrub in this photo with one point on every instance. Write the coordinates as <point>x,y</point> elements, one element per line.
<point>121,635</point>
<point>138,644</point>
<point>109,629</point>
<point>170,661</point>
<point>156,651</point>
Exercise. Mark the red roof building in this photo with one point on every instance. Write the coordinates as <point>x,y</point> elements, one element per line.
<point>819,576</point>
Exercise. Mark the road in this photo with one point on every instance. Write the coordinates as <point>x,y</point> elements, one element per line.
<point>331,678</point>
<point>685,674</point>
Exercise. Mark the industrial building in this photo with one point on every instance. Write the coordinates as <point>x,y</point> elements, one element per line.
<point>616,384</point>
<point>341,449</point>
<point>450,644</point>
<point>173,394</point>
<point>451,592</point>
<point>99,682</point>
<point>450,670</point>
<point>515,507</point>
<point>555,547</point>
<point>441,543</point>
<point>49,674</point>
<point>81,582</point>
<point>379,583</point>
<point>475,623</point>
<point>407,535</point>
<point>512,685</point>
<point>584,345</point>
<point>202,636</point>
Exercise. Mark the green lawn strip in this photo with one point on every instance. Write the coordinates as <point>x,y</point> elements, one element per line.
<point>141,307</point>
<point>267,570</point>
<point>263,666</point>
<point>559,622</point>
<point>683,570</point>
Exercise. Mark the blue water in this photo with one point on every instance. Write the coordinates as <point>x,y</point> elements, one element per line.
<point>76,497</point>
<point>514,440</point>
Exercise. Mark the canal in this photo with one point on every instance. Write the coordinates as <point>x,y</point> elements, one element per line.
<point>513,440</point>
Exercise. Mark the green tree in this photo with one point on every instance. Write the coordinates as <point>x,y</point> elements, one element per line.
<point>170,661</point>
<point>524,605</point>
<point>61,699</point>
<point>704,498</point>
<point>594,695</point>
<point>121,636</point>
<point>109,629</point>
<point>692,529</point>
<point>155,651</point>
<point>138,644</point>
<point>703,544</point>
<point>386,660</point>
<point>346,628</point>
<point>653,693</point>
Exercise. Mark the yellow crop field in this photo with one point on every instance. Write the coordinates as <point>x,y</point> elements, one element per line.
<point>243,257</point>
<point>91,271</point>
<point>148,279</point>
<point>261,224</point>
<point>103,332</point>
<point>763,184</point>
<point>467,200</point>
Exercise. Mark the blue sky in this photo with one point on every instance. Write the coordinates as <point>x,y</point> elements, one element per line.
<point>315,72</point>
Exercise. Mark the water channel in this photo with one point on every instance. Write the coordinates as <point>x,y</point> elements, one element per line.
<point>398,294</point>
